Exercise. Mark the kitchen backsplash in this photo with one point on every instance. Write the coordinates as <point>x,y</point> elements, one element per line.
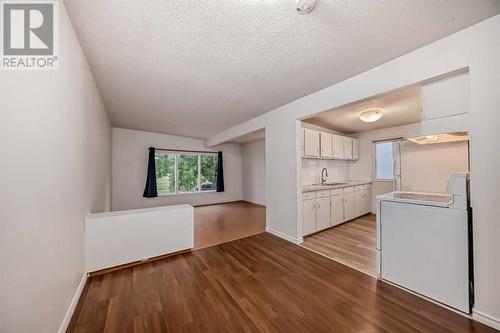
<point>311,170</point>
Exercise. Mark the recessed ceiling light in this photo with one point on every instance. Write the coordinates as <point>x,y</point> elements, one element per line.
<point>371,115</point>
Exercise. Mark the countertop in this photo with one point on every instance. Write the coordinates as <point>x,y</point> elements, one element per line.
<point>348,183</point>
<point>420,198</point>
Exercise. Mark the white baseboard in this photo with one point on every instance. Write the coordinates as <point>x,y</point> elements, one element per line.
<point>281,235</point>
<point>486,319</point>
<point>72,305</point>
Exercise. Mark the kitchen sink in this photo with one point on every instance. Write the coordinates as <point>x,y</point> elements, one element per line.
<point>331,184</point>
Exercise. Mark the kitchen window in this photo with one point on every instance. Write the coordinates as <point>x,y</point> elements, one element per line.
<point>384,161</point>
<point>185,172</point>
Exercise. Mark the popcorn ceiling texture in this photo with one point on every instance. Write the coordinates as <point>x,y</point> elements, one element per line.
<point>196,67</point>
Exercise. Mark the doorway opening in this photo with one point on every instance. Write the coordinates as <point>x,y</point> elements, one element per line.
<point>224,222</point>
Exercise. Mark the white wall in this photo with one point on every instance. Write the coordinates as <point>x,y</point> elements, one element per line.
<point>130,161</point>
<point>254,171</point>
<point>55,148</point>
<point>426,168</point>
<point>478,48</point>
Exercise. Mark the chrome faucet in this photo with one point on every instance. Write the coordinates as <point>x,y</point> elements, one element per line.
<point>323,179</point>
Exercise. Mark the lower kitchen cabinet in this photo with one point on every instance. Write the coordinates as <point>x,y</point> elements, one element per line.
<point>315,215</point>
<point>322,213</point>
<point>308,216</point>
<point>349,206</point>
<point>324,209</point>
<point>337,209</point>
<point>363,201</point>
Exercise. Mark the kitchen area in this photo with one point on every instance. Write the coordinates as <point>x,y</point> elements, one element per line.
<point>386,189</point>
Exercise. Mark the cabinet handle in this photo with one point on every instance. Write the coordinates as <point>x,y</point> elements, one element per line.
<point>319,205</point>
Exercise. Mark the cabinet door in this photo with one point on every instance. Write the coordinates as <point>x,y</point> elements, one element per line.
<point>337,211</point>
<point>338,146</point>
<point>355,149</point>
<point>349,210</point>
<point>311,143</point>
<point>359,203</point>
<point>326,144</point>
<point>322,213</point>
<point>347,148</point>
<point>368,202</point>
<point>308,217</point>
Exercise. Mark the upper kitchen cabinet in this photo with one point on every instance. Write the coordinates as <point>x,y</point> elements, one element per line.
<point>338,146</point>
<point>446,97</point>
<point>311,143</point>
<point>326,145</point>
<point>355,149</point>
<point>347,148</point>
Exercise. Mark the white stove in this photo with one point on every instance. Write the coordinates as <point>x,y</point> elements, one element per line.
<point>423,242</point>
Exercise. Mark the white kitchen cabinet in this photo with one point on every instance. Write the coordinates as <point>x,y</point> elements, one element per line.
<point>322,213</point>
<point>362,200</point>
<point>368,199</point>
<point>326,145</point>
<point>446,97</point>
<point>347,148</point>
<point>359,202</point>
<point>338,146</point>
<point>337,209</point>
<point>355,149</point>
<point>349,206</point>
<point>308,216</point>
<point>311,143</point>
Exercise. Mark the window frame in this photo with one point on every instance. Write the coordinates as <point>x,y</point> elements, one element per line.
<point>176,171</point>
<point>375,175</point>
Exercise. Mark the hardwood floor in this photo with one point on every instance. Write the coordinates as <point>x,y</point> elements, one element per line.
<point>256,284</point>
<point>220,223</point>
<point>352,243</point>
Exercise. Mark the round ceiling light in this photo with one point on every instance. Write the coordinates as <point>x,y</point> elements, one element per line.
<point>305,6</point>
<point>371,115</point>
<point>431,137</point>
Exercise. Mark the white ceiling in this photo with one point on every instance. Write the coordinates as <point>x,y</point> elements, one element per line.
<point>196,67</point>
<point>399,108</point>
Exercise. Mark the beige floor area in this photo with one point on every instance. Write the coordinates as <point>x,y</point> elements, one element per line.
<point>352,243</point>
<point>220,223</point>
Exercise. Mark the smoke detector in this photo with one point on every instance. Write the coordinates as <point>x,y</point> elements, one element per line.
<point>305,6</point>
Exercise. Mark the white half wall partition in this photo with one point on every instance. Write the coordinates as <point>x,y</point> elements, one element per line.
<point>477,49</point>
<point>121,237</point>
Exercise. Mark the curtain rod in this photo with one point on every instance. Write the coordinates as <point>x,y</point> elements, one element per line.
<point>389,140</point>
<point>187,151</point>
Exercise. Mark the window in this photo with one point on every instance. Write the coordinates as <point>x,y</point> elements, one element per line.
<point>185,172</point>
<point>384,166</point>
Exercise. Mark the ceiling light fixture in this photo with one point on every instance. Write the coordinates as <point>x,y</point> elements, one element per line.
<point>431,137</point>
<point>305,6</point>
<point>371,115</point>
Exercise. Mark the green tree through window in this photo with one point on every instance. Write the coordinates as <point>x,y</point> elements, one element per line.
<point>165,172</point>
<point>187,165</point>
<point>208,172</point>
<point>185,172</point>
